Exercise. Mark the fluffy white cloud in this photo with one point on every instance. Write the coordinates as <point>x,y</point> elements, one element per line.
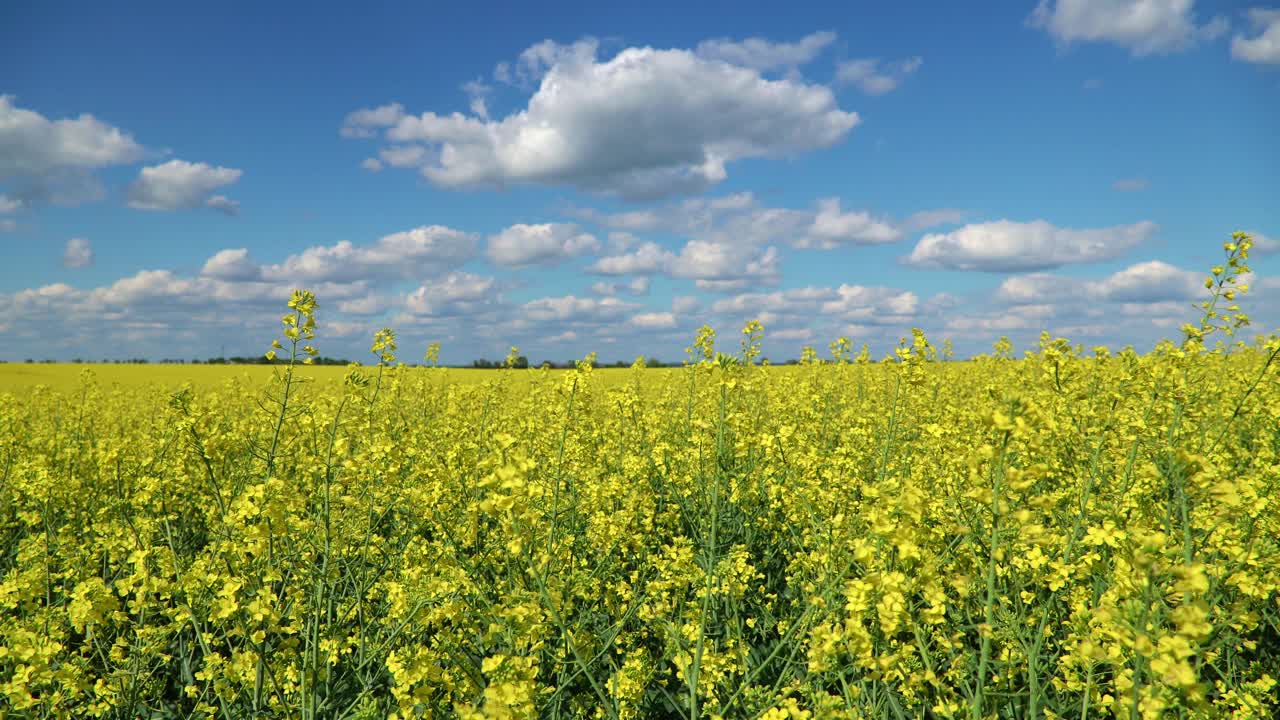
<point>874,77</point>
<point>232,264</point>
<point>711,265</point>
<point>762,54</point>
<point>1143,26</point>
<point>1146,282</point>
<point>833,227</point>
<point>1264,47</point>
<point>458,293</point>
<point>570,307</point>
<point>647,259</point>
<point>422,251</point>
<point>1006,246</point>
<point>182,185</point>
<point>654,320</point>
<point>32,146</point>
<point>645,123</point>
<point>549,243</point>
<point>740,219</point>
<point>77,253</point>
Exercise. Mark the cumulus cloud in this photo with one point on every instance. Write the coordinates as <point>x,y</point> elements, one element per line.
<point>654,320</point>
<point>33,145</point>
<point>833,227</point>
<point>77,253</point>
<point>546,244</point>
<point>845,303</point>
<point>711,265</point>
<point>455,294</point>
<point>50,160</point>
<point>1008,246</point>
<point>739,218</point>
<point>1145,282</point>
<point>579,309</point>
<point>1144,27</point>
<point>647,259</point>
<point>874,77</point>
<point>182,185</point>
<point>762,54</point>
<point>644,123</point>
<point>231,264</point>
<point>1264,46</point>
<point>412,254</point>
<point>422,251</point>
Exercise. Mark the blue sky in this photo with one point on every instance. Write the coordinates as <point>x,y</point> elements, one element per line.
<point>609,177</point>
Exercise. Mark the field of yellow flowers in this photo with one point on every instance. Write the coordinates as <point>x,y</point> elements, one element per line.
<point>1067,534</point>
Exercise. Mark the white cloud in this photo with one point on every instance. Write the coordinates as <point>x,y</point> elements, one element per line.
<point>740,219</point>
<point>654,320</point>
<point>648,258</point>
<point>711,265</point>
<point>1145,27</point>
<point>726,268</point>
<point>635,286</point>
<point>371,164</point>
<point>549,243</point>
<point>366,123</point>
<point>874,77</point>
<point>223,204</point>
<point>685,304</point>
<point>1133,184</point>
<point>458,293</point>
<point>33,146</point>
<point>415,253</point>
<point>77,253</point>
<point>1264,47</point>
<point>1264,244</point>
<point>833,227</point>
<point>10,204</point>
<point>182,185</point>
<point>1145,282</point>
<point>570,307</point>
<point>402,156</point>
<point>232,264</point>
<point>1007,246</point>
<point>50,161</point>
<point>763,55</point>
<point>645,123</point>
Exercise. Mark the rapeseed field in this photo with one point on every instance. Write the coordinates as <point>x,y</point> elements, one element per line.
<point>1064,534</point>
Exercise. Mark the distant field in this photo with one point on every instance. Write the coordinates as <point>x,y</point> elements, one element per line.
<point>22,377</point>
